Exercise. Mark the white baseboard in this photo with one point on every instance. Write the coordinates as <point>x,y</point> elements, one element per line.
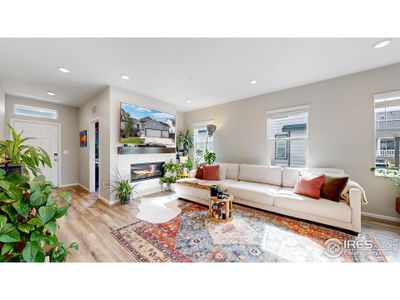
<point>105,201</point>
<point>68,185</point>
<point>381,217</point>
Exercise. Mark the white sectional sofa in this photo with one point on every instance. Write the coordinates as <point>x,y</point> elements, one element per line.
<point>271,189</point>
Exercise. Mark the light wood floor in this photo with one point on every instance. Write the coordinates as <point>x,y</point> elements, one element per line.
<point>90,221</point>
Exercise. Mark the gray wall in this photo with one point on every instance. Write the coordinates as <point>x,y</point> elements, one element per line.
<point>68,118</point>
<point>341,128</point>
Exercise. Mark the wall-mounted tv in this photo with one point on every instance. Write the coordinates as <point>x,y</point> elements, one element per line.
<point>146,127</point>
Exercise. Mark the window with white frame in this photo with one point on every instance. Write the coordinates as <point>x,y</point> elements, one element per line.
<point>36,112</point>
<point>288,136</point>
<point>387,133</point>
<point>201,139</point>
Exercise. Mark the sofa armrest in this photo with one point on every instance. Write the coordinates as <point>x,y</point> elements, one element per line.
<point>355,195</point>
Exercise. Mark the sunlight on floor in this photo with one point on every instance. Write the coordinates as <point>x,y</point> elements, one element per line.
<point>291,247</point>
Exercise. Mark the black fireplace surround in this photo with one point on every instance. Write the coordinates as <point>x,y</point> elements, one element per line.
<point>146,171</point>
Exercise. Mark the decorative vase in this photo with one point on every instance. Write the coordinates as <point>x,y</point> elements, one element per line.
<point>398,204</point>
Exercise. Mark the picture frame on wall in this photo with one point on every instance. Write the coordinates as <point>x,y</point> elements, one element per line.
<point>83,139</point>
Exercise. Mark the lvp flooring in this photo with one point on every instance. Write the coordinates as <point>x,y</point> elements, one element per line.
<point>89,222</point>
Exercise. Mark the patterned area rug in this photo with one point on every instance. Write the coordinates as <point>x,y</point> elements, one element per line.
<point>252,236</point>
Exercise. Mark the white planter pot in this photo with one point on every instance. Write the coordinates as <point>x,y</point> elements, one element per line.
<point>164,186</point>
<point>172,187</point>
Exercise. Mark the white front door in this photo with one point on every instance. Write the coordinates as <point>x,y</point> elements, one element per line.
<point>45,135</point>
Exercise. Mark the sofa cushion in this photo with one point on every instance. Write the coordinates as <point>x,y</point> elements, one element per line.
<point>232,170</point>
<point>289,176</point>
<point>211,172</point>
<point>261,174</point>
<point>309,185</point>
<point>253,192</point>
<point>287,199</point>
<point>222,171</point>
<point>333,187</point>
<point>199,173</point>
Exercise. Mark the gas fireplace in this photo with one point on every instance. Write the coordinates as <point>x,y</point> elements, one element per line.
<point>146,171</point>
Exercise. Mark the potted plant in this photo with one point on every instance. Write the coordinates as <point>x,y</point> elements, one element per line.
<point>29,208</point>
<point>184,141</point>
<point>16,152</point>
<point>121,185</point>
<point>28,220</point>
<point>171,170</point>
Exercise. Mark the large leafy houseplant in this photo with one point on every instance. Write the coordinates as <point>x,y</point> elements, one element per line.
<point>16,152</point>
<point>28,220</point>
<point>205,157</point>
<point>184,141</point>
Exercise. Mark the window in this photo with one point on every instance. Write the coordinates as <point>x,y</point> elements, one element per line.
<point>387,132</point>
<point>287,136</point>
<point>200,138</point>
<point>33,111</point>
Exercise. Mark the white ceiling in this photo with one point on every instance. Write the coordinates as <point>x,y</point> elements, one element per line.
<point>206,71</point>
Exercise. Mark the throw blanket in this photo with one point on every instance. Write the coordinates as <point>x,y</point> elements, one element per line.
<point>345,195</point>
<point>200,184</point>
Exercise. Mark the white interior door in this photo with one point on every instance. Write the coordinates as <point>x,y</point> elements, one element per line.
<point>44,135</point>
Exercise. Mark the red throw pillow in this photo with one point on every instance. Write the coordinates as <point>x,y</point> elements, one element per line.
<point>199,173</point>
<point>309,185</point>
<point>211,172</point>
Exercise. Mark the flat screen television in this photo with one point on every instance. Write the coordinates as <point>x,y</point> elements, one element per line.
<point>146,127</point>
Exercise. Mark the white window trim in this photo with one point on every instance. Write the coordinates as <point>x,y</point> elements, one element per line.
<point>198,125</point>
<point>381,98</point>
<point>37,108</point>
<point>284,112</point>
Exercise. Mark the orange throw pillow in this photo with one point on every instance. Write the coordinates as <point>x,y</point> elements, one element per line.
<point>309,185</point>
<point>211,172</point>
<point>199,173</point>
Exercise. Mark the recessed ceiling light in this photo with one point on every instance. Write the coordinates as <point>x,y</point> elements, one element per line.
<point>63,70</point>
<point>50,93</point>
<point>188,101</point>
<point>382,44</point>
<point>253,81</point>
<point>125,77</point>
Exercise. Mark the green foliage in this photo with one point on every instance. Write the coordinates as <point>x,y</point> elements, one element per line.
<point>16,152</point>
<point>184,140</point>
<point>205,157</point>
<point>390,171</point>
<point>132,140</point>
<point>28,220</point>
<point>129,126</point>
<point>209,157</point>
<point>189,164</point>
<point>171,170</point>
<point>121,185</point>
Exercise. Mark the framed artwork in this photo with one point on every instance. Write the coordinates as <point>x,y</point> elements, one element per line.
<point>83,138</point>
